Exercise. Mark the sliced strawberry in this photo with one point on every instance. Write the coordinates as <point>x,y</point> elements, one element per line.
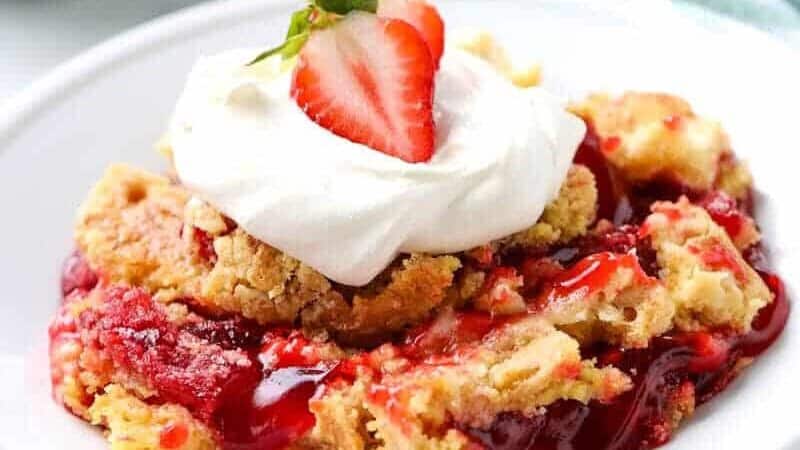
<point>370,80</point>
<point>423,16</point>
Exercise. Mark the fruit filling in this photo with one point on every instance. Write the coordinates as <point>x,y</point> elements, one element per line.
<point>254,386</point>
<point>677,373</point>
<point>637,293</point>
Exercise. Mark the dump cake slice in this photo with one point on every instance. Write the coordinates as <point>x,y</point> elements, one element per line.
<point>669,302</point>
<point>636,292</point>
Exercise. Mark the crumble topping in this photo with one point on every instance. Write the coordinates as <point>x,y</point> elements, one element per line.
<point>523,366</point>
<point>647,136</point>
<point>401,395</point>
<point>576,313</point>
<point>734,178</point>
<point>707,278</point>
<point>135,425</point>
<point>627,307</point>
<point>483,45</point>
<point>178,247</point>
<point>566,217</point>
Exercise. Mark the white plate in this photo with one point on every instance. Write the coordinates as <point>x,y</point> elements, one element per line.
<point>111,104</point>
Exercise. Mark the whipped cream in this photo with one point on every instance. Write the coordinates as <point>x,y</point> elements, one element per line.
<point>243,145</point>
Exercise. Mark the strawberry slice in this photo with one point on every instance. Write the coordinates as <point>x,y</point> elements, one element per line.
<point>370,80</point>
<point>423,16</point>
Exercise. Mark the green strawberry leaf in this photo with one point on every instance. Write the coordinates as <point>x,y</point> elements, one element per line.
<point>301,22</point>
<point>318,15</point>
<point>345,6</point>
<point>296,37</point>
<point>287,50</point>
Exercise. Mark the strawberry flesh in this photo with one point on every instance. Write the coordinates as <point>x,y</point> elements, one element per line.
<point>422,16</point>
<point>370,80</point>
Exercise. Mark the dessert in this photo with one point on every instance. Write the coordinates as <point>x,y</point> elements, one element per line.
<point>371,239</point>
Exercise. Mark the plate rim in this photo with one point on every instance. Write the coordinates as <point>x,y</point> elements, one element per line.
<point>66,77</point>
<point>82,68</point>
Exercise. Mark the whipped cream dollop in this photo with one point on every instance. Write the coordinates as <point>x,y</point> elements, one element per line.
<point>242,144</point>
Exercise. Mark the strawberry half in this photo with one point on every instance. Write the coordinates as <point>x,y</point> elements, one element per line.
<point>370,80</point>
<point>423,16</point>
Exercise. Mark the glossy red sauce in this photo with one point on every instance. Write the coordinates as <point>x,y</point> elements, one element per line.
<point>668,373</point>
<point>589,275</point>
<point>443,336</point>
<point>256,396</point>
<point>610,144</point>
<point>276,412</point>
<point>625,239</point>
<point>719,257</point>
<point>253,387</point>
<point>173,436</point>
<point>674,370</point>
<point>724,211</point>
<point>590,155</point>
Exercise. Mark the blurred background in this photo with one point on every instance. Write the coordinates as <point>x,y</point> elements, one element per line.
<point>36,35</point>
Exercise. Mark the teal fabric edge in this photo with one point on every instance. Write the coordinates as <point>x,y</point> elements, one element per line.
<point>778,17</point>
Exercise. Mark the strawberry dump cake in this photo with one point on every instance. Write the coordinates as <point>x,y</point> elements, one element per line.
<point>369,239</point>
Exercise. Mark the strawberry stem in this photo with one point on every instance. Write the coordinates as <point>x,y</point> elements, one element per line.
<point>287,50</point>
<point>299,32</point>
<point>317,15</point>
<point>300,21</point>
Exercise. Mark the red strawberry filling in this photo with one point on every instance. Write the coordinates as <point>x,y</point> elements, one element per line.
<point>718,257</point>
<point>136,334</point>
<point>676,371</point>
<point>590,275</point>
<point>77,275</point>
<point>276,412</point>
<point>590,155</point>
<point>447,334</point>
<point>173,436</point>
<point>254,386</point>
<point>725,212</point>
<point>370,79</point>
<point>671,374</point>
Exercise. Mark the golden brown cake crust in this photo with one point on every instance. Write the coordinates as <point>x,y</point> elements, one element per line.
<point>568,216</point>
<point>707,278</point>
<point>648,136</point>
<point>135,425</point>
<point>143,231</point>
<point>522,365</point>
<point>139,229</point>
